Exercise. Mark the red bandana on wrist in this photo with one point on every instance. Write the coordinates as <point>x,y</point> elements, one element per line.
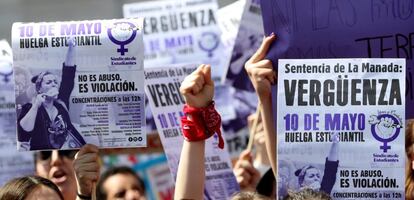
<point>204,123</point>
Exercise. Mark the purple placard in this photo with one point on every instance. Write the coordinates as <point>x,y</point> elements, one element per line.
<point>343,29</point>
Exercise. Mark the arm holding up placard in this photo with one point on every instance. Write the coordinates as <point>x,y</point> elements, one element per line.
<point>261,74</point>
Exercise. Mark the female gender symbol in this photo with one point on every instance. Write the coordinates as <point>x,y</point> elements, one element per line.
<point>397,127</point>
<point>124,30</point>
<point>212,42</point>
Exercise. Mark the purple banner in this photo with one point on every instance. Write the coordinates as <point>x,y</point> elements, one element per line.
<point>343,29</point>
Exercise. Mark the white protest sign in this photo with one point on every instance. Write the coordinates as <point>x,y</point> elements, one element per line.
<point>342,121</point>
<point>162,88</point>
<point>181,32</point>
<point>12,163</point>
<point>79,82</point>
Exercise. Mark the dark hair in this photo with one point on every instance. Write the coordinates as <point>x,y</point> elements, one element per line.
<point>307,194</point>
<point>37,80</point>
<point>20,188</point>
<point>300,173</point>
<point>249,196</point>
<point>267,184</point>
<point>100,191</point>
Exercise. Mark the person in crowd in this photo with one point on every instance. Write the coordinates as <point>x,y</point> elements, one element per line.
<point>44,123</point>
<point>409,150</point>
<point>30,188</point>
<point>307,194</point>
<point>198,91</point>
<point>74,173</point>
<point>120,183</point>
<point>246,174</point>
<point>250,179</point>
<point>262,76</point>
<point>250,168</point>
<point>249,195</point>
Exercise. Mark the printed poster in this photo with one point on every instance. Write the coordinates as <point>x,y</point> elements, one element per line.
<point>228,19</point>
<point>343,29</point>
<point>12,163</point>
<point>162,88</point>
<point>340,127</point>
<point>183,31</point>
<point>79,82</point>
<point>239,94</point>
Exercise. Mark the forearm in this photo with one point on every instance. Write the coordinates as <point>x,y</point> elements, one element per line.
<point>190,175</point>
<point>269,129</point>
<point>28,121</point>
<point>333,152</point>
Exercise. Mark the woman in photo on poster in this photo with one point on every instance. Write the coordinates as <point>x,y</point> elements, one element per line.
<point>44,123</point>
<point>309,176</point>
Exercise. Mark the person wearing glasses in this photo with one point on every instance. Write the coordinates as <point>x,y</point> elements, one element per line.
<point>74,173</point>
<point>44,123</point>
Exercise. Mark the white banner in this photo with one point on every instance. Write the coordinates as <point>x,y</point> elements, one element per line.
<point>340,127</point>
<point>183,31</point>
<point>90,92</point>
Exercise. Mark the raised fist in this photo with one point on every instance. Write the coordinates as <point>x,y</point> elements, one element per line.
<point>385,127</point>
<point>198,87</point>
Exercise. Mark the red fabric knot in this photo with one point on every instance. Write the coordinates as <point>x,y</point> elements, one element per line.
<point>204,123</point>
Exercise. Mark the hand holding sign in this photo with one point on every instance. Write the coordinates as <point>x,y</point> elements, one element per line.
<point>247,176</point>
<point>87,168</point>
<point>260,70</point>
<point>198,87</point>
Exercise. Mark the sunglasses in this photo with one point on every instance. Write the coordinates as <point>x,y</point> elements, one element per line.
<point>45,155</point>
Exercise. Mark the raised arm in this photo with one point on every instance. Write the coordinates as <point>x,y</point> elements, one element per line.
<point>333,151</point>
<point>71,54</point>
<point>198,91</point>
<point>68,73</point>
<point>261,74</point>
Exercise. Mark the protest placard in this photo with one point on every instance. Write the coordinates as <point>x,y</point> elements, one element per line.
<point>181,32</point>
<point>238,93</point>
<point>12,162</point>
<point>340,127</point>
<point>162,89</point>
<point>343,29</point>
<point>79,82</point>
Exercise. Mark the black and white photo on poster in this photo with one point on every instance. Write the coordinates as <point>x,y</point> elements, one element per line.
<point>79,82</point>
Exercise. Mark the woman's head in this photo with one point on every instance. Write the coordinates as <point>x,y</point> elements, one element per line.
<point>46,83</point>
<point>309,177</point>
<point>120,183</point>
<point>30,188</point>
<point>57,166</point>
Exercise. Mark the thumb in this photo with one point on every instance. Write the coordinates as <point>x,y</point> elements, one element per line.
<point>246,155</point>
<point>87,148</point>
<point>207,75</point>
